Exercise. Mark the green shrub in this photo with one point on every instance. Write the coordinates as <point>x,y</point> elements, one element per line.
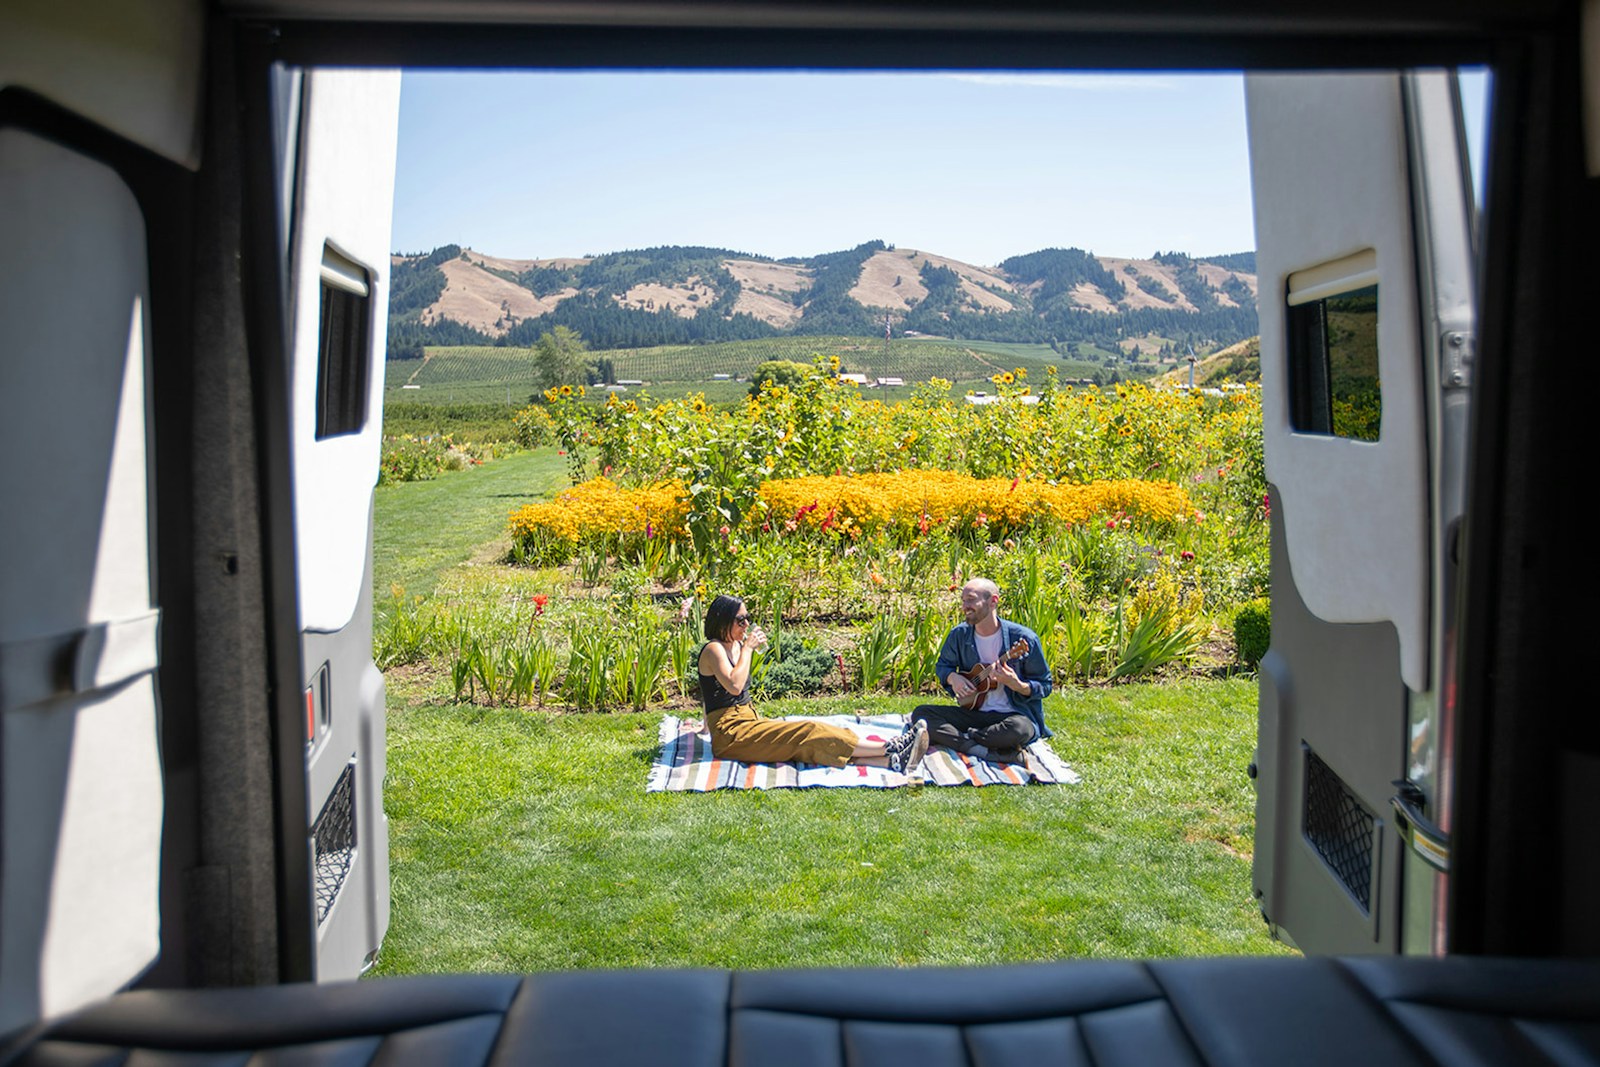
<point>800,672</point>
<point>1252,631</point>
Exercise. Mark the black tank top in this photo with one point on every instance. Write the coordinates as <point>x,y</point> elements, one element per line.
<point>714,697</point>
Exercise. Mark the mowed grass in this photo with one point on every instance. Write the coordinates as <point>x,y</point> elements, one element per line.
<point>421,529</point>
<point>523,839</point>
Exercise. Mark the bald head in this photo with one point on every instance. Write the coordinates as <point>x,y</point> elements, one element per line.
<point>981,586</point>
<point>980,604</point>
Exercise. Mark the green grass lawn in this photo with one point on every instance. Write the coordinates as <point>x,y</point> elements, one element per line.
<point>421,529</point>
<point>523,839</point>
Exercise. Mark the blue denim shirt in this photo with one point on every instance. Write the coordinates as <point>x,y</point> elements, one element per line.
<point>960,652</point>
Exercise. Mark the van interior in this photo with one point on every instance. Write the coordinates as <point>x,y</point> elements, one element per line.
<point>194,866</point>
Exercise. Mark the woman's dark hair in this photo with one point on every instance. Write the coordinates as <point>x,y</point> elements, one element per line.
<point>720,615</point>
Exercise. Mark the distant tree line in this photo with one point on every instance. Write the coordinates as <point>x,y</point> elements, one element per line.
<point>1058,271</point>
<point>416,283</point>
<point>828,306</point>
<point>1244,262</point>
<point>604,323</point>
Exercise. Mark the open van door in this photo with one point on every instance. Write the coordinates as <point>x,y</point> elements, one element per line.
<point>1364,236</point>
<point>336,173</point>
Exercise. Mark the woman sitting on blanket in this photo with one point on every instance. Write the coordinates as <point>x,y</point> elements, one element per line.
<point>738,733</point>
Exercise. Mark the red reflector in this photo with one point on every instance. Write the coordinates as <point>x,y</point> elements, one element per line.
<point>311,714</point>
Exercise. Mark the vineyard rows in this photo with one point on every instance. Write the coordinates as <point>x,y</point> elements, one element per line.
<point>484,373</point>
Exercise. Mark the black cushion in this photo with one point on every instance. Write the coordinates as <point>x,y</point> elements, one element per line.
<point>1216,1012</point>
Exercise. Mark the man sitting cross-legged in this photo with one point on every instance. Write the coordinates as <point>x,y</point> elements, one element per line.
<point>997,724</point>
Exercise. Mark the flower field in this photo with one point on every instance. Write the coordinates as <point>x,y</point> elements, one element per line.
<point>1124,525</point>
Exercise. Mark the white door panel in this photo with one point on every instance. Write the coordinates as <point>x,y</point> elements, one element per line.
<point>346,187</point>
<point>1331,183</point>
<point>82,788</point>
<point>1366,290</point>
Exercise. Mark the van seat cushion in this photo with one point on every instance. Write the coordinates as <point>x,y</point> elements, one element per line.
<point>1211,1012</point>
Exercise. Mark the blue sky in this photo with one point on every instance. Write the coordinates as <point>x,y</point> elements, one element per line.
<point>973,166</point>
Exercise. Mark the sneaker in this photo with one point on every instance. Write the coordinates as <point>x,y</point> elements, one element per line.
<point>1008,755</point>
<point>903,740</point>
<point>905,751</point>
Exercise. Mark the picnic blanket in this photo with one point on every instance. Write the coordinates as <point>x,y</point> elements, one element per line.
<point>685,763</point>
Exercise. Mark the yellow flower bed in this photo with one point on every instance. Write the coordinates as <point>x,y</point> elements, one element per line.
<point>902,499</point>
<point>907,501</point>
<point>603,507</point>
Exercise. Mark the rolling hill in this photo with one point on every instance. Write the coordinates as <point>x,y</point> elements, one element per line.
<point>695,295</point>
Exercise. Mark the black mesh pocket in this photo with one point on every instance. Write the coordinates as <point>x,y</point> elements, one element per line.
<point>335,835</point>
<point>1340,828</point>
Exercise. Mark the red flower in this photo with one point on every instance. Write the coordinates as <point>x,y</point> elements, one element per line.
<point>539,601</point>
<point>1186,555</point>
<point>1014,482</point>
<point>1111,524</point>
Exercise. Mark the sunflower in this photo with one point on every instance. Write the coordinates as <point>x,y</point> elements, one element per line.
<point>566,390</point>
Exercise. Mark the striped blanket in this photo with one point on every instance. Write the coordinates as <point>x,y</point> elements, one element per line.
<point>685,764</point>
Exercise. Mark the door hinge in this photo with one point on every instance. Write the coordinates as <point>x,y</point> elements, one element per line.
<point>1458,353</point>
<point>1420,833</point>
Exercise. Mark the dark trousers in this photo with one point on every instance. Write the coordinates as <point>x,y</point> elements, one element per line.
<point>948,725</point>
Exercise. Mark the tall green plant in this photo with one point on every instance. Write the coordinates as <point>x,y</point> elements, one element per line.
<point>878,649</point>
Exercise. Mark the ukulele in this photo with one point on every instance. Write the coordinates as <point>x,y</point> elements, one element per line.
<point>982,676</point>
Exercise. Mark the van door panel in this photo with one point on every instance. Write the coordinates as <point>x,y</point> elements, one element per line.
<point>1363,259</point>
<point>82,787</point>
<point>342,182</point>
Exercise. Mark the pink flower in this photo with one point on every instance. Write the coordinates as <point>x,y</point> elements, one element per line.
<point>1111,524</point>
<point>723,531</point>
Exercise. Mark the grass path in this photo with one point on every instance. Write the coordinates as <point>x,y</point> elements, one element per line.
<point>422,529</point>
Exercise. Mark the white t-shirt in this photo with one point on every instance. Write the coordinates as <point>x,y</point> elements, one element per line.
<point>989,649</point>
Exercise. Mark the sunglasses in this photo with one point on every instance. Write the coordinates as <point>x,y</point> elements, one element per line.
<point>741,620</point>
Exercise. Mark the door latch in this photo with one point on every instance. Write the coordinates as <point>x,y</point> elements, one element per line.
<point>1421,834</point>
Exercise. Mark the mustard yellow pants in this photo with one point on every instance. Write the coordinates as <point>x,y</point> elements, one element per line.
<point>738,733</point>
